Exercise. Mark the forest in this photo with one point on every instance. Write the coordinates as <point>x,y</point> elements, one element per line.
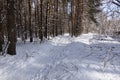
<point>52,35</point>
<point>43,19</point>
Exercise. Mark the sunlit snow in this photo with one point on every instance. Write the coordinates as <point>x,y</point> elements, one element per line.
<point>64,58</point>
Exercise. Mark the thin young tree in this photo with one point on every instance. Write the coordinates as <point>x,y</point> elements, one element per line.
<point>46,19</point>
<point>72,17</point>
<point>1,25</point>
<point>25,31</point>
<point>30,23</point>
<point>41,21</point>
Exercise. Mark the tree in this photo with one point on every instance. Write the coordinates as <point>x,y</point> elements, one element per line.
<point>76,17</point>
<point>46,19</point>
<point>1,26</point>
<point>79,17</point>
<point>11,27</point>
<point>30,24</point>
<point>25,20</point>
<point>0,33</point>
<point>41,21</point>
<point>72,17</point>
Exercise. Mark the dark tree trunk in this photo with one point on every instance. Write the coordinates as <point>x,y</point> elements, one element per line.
<point>41,22</point>
<point>56,25</point>
<point>0,34</point>
<point>72,18</point>
<point>46,25</point>
<point>1,27</point>
<point>11,28</point>
<point>81,17</point>
<point>49,8</point>
<point>30,25</point>
<point>35,12</point>
<point>25,20</point>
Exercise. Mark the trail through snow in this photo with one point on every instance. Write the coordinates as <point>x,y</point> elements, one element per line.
<point>64,58</point>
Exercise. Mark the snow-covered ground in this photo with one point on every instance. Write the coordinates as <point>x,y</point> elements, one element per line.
<point>64,58</point>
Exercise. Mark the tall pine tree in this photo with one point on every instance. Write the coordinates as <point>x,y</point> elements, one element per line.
<point>11,27</point>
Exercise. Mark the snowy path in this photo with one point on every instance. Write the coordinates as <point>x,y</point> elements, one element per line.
<point>64,58</point>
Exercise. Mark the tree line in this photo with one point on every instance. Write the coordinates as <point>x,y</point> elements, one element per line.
<point>29,19</point>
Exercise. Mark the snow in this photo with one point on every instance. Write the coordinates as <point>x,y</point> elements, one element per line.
<point>64,58</point>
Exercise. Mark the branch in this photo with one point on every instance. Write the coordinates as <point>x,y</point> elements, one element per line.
<point>116,3</point>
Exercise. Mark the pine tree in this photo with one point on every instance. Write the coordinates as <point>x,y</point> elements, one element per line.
<point>11,27</point>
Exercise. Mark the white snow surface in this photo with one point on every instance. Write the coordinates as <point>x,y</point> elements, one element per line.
<point>64,58</point>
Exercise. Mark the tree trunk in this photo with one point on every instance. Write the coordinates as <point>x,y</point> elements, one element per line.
<point>30,25</point>
<point>46,20</point>
<point>0,27</point>
<point>56,24</point>
<point>0,33</point>
<point>41,22</point>
<point>25,20</point>
<point>81,6</point>
<point>72,18</point>
<point>11,28</point>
